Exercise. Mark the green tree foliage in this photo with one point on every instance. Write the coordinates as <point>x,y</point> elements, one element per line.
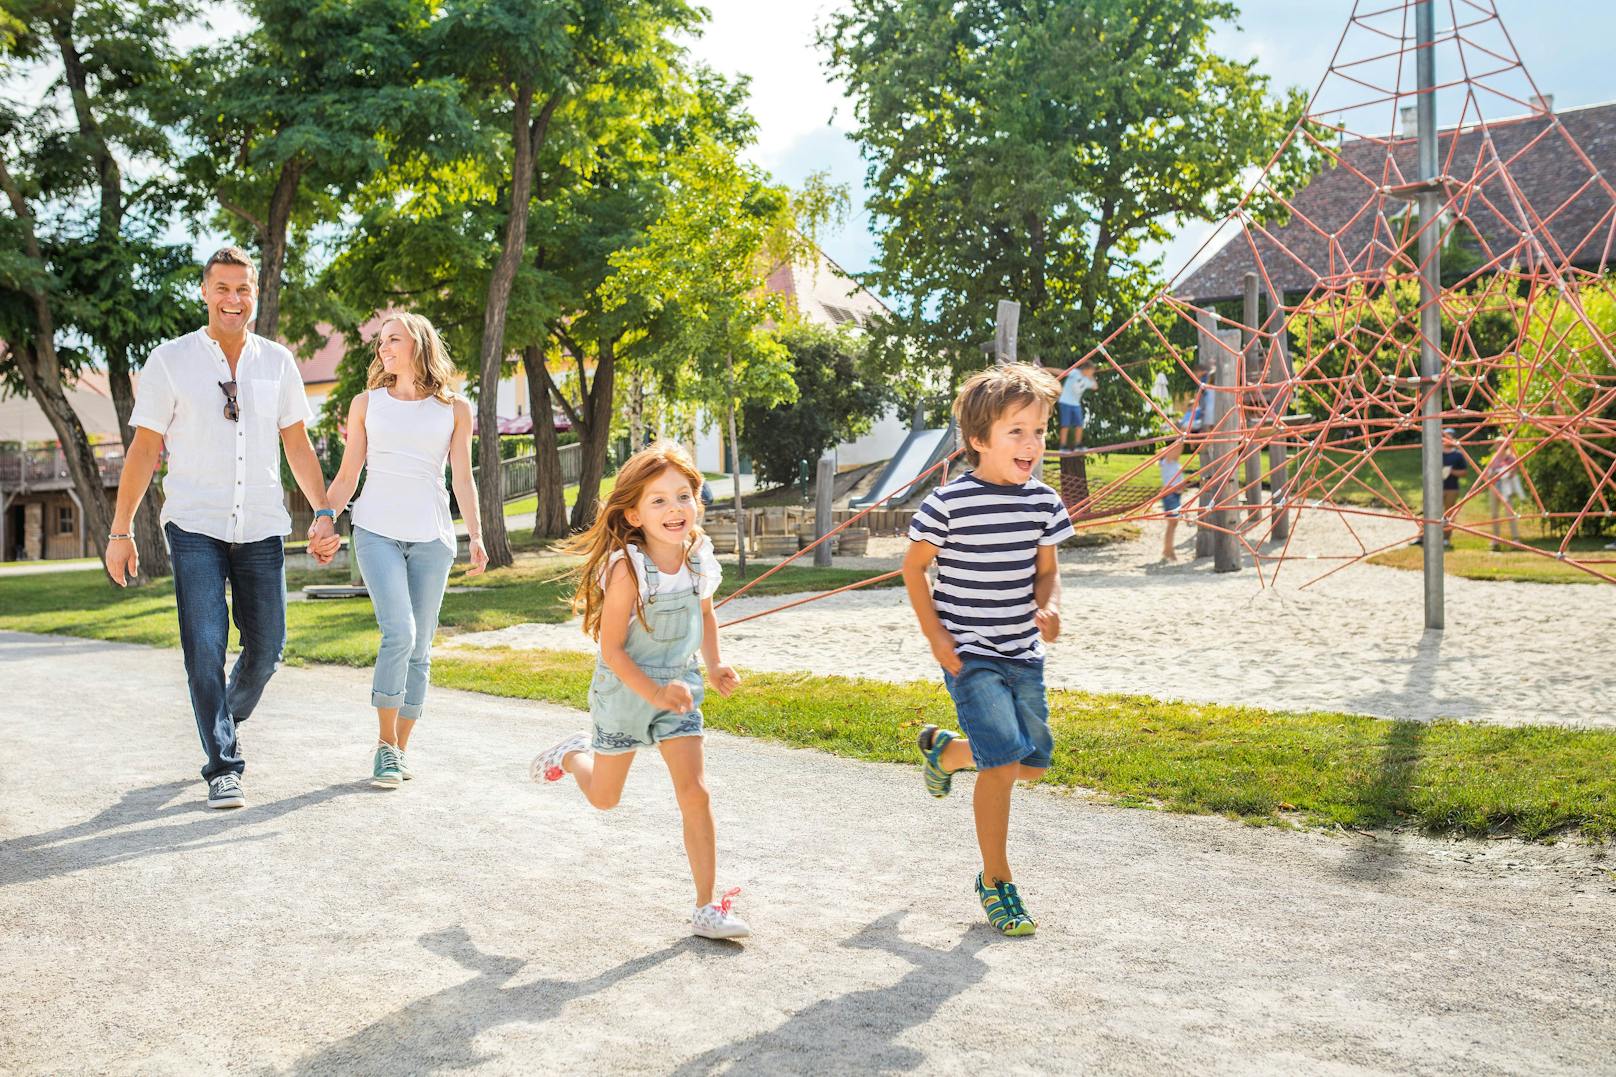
<point>1027,149</point>
<point>93,165</point>
<point>838,398</point>
<point>289,119</point>
<point>1564,378</point>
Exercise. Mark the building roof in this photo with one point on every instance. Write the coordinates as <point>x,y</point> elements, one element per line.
<point>824,294</point>
<point>321,367</point>
<point>22,420</point>
<point>1339,225</point>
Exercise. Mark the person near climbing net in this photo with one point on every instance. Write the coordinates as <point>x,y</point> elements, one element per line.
<point>1069,408</point>
<point>1171,464</point>
<point>645,591</point>
<point>992,533</point>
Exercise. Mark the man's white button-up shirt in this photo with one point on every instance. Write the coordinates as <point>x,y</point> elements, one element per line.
<point>224,477</point>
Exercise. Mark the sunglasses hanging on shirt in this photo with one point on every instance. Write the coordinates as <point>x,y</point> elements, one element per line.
<point>232,410</point>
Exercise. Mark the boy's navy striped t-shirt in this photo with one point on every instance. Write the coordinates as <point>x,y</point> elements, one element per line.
<point>988,537</point>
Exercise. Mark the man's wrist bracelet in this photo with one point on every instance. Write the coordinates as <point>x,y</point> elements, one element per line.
<point>113,536</point>
<point>325,512</point>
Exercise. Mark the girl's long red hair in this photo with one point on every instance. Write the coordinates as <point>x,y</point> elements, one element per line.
<point>611,531</point>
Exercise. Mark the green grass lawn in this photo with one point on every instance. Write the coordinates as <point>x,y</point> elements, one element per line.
<point>1397,483</point>
<point>531,504</point>
<point>341,631</point>
<point>1259,766</point>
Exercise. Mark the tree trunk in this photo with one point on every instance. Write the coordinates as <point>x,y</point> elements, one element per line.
<point>148,529</point>
<point>273,255</point>
<point>41,369</point>
<point>595,434</point>
<point>109,229</point>
<point>735,471</point>
<point>550,519</point>
<point>527,135</point>
<point>41,373</point>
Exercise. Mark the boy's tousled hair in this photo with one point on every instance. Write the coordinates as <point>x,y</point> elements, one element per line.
<point>611,531</point>
<point>989,393</point>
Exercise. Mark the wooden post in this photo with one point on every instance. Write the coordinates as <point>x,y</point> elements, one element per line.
<point>1205,357</point>
<point>1249,379</point>
<point>825,487</point>
<point>1277,376</point>
<point>1225,425</point>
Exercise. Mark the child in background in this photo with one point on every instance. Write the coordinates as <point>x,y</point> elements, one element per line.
<point>1172,478</point>
<point>1071,417</point>
<point>646,594</point>
<point>1502,477</point>
<point>993,533</point>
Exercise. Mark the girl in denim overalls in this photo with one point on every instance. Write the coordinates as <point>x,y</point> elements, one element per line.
<point>645,593</point>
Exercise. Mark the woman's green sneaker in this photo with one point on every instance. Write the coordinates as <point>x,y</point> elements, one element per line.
<point>385,772</point>
<point>1004,909</point>
<point>932,741</point>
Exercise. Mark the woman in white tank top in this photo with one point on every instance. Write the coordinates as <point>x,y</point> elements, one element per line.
<point>401,431</point>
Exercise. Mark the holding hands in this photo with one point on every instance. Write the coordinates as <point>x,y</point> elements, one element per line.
<point>324,542</point>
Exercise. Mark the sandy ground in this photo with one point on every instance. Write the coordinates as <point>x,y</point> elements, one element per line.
<point>1355,641</point>
<point>473,921</point>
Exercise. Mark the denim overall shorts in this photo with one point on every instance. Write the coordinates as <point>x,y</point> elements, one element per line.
<point>665,652</point>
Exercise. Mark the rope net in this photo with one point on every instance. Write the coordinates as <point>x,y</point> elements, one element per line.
<point>1301,331</point>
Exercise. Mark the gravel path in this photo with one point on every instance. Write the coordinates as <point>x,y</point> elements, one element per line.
<point>472,921</point>
<point>1514,653</point>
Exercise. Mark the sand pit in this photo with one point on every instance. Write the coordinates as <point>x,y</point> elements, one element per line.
<point>1511,653</point>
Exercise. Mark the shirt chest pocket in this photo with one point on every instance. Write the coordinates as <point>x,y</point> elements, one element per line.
<point>262,407</point>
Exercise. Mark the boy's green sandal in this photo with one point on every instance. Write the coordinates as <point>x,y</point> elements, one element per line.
<point>932,741</point>
<point>1004,909</point>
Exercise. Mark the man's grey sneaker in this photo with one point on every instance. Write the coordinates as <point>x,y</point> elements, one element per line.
<point>384,774</point>
<point>932,741</point>
<point>225,792</point>
<point>546,766</point>
<point>404,770</point>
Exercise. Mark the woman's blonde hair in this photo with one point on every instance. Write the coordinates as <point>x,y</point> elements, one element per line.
<point>611,532</point>
<point>432,367</point>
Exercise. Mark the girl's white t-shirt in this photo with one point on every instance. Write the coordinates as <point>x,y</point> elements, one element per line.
<point>711,572</point>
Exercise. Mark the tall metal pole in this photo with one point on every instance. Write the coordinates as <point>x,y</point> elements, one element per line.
<point>1430,316</point>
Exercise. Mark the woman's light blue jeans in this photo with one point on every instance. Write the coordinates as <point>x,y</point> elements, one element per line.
<point>406,582</point>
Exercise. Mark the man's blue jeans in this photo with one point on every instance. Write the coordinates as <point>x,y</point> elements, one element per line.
<point>256,572</point>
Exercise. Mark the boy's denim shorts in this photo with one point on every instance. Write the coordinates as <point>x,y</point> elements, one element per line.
<point>1002,710</point>
<point>1172,502</point>
<point>1070,414</point>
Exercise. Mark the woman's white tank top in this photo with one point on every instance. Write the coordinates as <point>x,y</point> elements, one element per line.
<point>406,447</point>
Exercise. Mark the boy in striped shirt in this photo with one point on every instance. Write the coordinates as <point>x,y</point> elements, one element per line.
<point>993,533</point>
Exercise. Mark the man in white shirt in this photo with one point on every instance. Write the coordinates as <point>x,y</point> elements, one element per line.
<point>224,401</point>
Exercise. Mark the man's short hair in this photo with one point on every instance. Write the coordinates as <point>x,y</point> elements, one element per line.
<point>227,256</point>
<point>990,393</point>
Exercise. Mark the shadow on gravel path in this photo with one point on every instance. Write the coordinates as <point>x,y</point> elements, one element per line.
<point>865,1025</point>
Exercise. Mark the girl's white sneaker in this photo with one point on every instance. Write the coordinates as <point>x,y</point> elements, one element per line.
<point>546,766</point>
<point>718,920</point>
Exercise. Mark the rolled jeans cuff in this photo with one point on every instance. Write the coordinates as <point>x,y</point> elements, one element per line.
<point>411,711</point>
<point>385,699</point>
